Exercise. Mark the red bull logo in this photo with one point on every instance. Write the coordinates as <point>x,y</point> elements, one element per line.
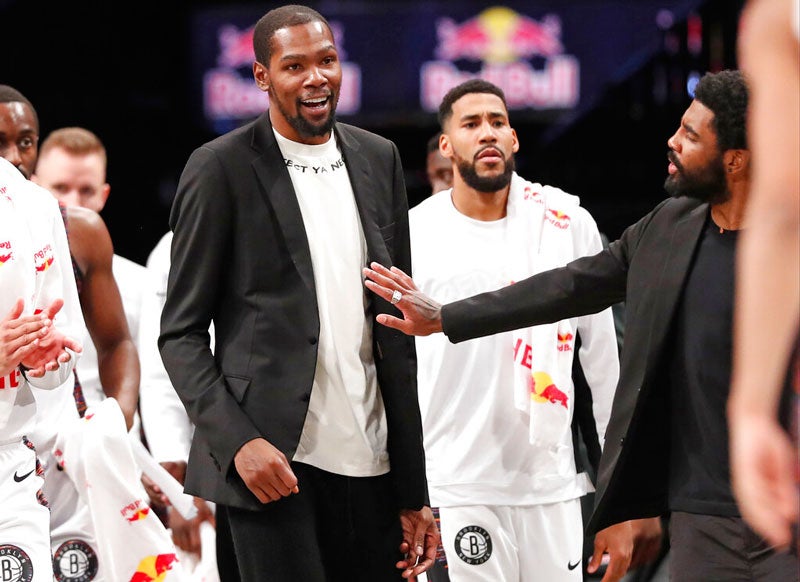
<point>558,218</point>
<point>5,252</point>
<point>235,47</point>
<point>565,342</point>
<point>229,91</point>
<point>499,35</point>
<point>135,511</point>
<point>154,568</point>
<point>505,41</point>
<point>43,259</point>
<point>532,194</point>
<point>543,389</point>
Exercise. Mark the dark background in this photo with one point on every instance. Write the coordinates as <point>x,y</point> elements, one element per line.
<point>123,71</point>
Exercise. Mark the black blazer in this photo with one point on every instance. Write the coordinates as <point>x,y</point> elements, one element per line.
<point>646,267</point>
<point>240,258</point>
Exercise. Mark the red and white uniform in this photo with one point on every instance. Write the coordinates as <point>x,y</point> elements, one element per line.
<point>34,265</point>
<point>502,488</point>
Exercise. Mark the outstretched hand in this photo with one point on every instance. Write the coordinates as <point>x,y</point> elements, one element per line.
<point>421,314</point>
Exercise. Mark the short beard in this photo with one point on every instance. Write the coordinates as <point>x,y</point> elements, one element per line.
<point>484,184</point>
<point>707,184</point>
<point>302,126</point>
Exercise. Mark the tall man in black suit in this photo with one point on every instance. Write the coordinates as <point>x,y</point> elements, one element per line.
<point>308,433</point>
<point>666,442</point>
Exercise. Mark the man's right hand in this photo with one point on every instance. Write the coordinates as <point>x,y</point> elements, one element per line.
<point>421,314</point>
<point>265,471</point>
<point>20,336</point>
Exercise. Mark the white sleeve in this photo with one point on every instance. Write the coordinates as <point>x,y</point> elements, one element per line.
<point>58,281</point>
<point>166,425</point>
<point>599,356</point>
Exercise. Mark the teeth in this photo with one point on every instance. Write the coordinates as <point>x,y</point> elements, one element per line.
<point>316,101</point>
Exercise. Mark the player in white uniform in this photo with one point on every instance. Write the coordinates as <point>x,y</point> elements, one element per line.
<point>35,267</point>
<point>497,411</point>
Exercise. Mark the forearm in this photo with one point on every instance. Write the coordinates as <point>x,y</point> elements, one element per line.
<point>119,375</point>
<point>584,286</point>
<point>767,315</point>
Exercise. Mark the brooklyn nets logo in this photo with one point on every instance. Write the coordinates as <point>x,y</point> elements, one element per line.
<point>473,545</point>
<point>75,561</point>
<point>15,565</point>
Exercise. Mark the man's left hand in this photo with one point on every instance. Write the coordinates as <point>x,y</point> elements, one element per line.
<point>617,541</point>
<point>420,539</point>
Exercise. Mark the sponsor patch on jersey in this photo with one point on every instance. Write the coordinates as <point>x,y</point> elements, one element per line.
<point>74,561</point>
<point>15,564</point>
<point>473,545</point>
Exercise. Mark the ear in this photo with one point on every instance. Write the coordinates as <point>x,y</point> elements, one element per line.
<point>736,161</point>
<point>104,192</point>
<point>261,75</point>
<point>445,147</point>
<point>515,143</point>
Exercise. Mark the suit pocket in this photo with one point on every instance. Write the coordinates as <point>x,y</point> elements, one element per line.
<point>237,385</point>
<point>387,233</point>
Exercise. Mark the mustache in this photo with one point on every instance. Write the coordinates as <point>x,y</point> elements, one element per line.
<point>489,147</point>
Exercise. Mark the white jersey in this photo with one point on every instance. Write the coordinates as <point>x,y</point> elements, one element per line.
<point>164,419</point>
<point>34,265</point>
<point>477,440</point>
<point>130,278</point>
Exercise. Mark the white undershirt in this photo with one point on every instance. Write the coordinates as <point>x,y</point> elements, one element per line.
<point>345,428</point>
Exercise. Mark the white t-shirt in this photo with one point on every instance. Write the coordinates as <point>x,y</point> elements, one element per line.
<point>345,428</point>
<point>477,446</point>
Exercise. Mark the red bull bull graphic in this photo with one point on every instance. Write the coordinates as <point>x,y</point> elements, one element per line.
<point>543,389</point>
<point>532,194</point>
<point>565,341</point>
<point>135,511</point>
<point>5,252</point>
<point>154,568</point>
<point>229,91</point>
<point>557,218</point>
<point>505,41</point>
<point>43,259</point>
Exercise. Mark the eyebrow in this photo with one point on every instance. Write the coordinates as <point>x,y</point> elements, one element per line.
<point>326,49</point>
<point>690,129</point>
<point>491,114</point>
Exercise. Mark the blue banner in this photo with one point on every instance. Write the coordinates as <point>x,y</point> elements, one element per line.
<point>552,58</point>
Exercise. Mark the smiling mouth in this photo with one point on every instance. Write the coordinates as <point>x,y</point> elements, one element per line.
<point>316,103</point>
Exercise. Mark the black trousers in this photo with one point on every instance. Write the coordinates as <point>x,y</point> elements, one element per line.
<point>710,548</point>
<point>336,528</point>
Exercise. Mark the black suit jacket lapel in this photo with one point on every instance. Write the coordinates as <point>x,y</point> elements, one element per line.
<point>360,172</point>
<point>279,194</point>
<point>681,244</point>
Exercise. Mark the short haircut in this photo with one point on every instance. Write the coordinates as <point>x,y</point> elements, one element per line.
<point>465,88</point>
<point>275,20</point>
<point>10,95</point>
<point>725,94</point>
<point>76,141</point>
<point>433,143</point>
